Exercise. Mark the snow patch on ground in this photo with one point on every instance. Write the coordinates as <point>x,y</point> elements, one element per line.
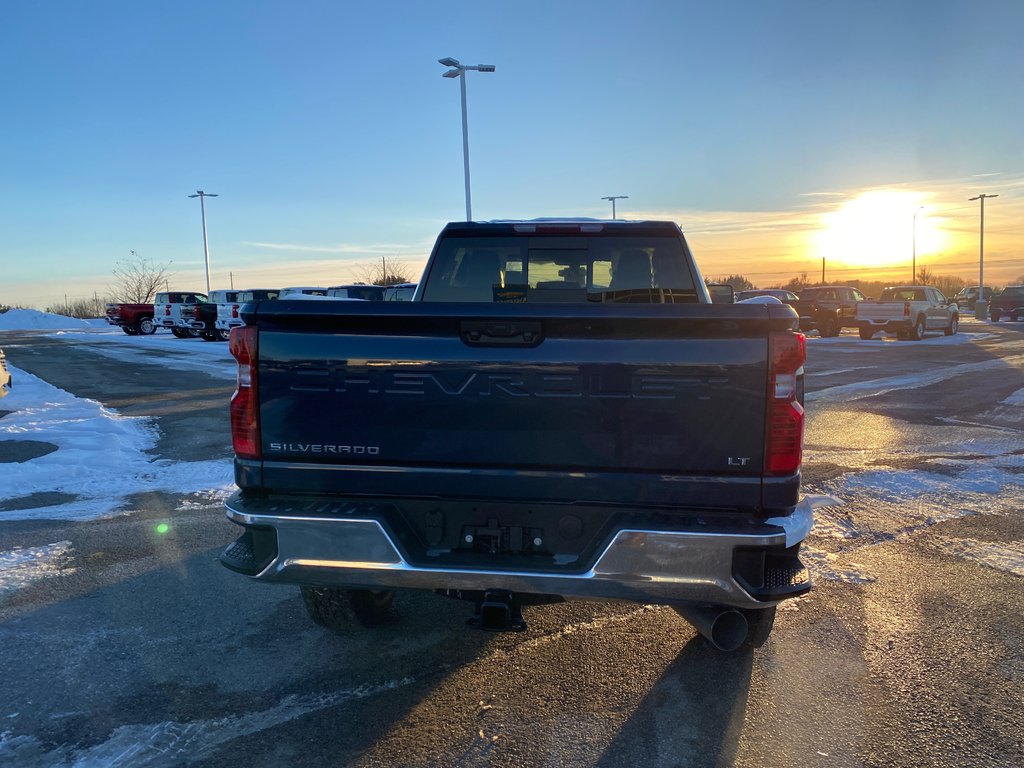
<point>101,456</point>
<point>898,485</point>
<point>875,387</point>
<point>34,320</point>
<point>172,743</point>
<point>881,338</point>
<point>824,565</point>
<point>1017,398</point>
<point>1009,559</point>
<point>21,566</point>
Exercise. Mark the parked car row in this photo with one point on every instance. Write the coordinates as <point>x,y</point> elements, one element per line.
<point>211,317</point>
<point>1008,303</point>
<point>909,311</point>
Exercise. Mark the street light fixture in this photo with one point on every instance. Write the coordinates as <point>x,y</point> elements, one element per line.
<point>913,263</point>
<point>206,246</point>
<point>981,306</point>
<point>459,70</point>
<point>613,198</point>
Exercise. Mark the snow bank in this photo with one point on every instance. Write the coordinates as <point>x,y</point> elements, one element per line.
<point>33,320</point>
<point>102,456</point>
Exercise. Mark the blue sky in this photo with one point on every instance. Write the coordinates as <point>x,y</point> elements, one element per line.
<point>332,138</point>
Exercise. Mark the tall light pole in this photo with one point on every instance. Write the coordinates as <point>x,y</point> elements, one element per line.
<point>981,306</point>
<point>459,71</point>
<point>613,198</point>
<point>913,263</point>
<point>206,246</point>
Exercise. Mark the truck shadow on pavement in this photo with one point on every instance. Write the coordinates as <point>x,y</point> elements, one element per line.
<point>692,716</point>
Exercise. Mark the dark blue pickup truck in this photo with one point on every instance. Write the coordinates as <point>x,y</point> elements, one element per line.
<point>559,413</point>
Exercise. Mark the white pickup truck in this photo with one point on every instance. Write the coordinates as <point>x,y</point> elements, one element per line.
<point>174,310</point>
<point>229,312</point>
<point>908,311</point>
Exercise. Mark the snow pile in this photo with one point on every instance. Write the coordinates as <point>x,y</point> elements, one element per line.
<point>101,457</point>
<point>19,567</point>
<point>34,320</point>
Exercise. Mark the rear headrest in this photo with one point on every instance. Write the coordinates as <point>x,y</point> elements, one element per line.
<point>632,270</point>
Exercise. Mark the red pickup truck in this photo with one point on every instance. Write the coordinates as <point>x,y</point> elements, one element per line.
<point>133,319</point>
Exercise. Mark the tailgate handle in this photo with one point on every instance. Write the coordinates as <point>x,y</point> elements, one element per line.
<point>502,334</point>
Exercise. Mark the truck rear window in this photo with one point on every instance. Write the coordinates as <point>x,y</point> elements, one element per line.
<point>560,269</point>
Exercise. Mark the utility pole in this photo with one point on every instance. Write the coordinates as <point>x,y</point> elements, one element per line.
<point>613,198</point>
<point>206,247</point>
<point>913,263</point>
<point>383,270</point>
<point>822,270</point>
<point>459,70</point>
<point>981,306</point>
<point>231,278</point>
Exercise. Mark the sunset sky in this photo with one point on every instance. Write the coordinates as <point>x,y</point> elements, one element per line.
<point>774,133</point>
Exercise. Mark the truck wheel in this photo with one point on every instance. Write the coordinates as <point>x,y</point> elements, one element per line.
<point>192,333</point>
<point>371,607</point>
<point>918,331</point>
<point>995,317</point>
<point>759,626</point>
<point>953,327</point>
<point>208,336</point>
<point>334,608</point>
<point>146,326</point>
<point>179,333</point>
<point>223,335</point>
<point>1013,317</point>
<point>130,330</point>
<point>866,333</point>
<point>828,327</point>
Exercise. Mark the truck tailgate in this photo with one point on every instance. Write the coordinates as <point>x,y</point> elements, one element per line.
<point>881,310</point>
<point>489,401</point>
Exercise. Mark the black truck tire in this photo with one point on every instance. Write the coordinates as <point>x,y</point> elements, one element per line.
<point>334,608</point>
<point>146,326</point>
<point>179,333</point>
<point>129,329</point>
<point>759,626</point>
<point>866,333</point>
<point>995,316</point>
<point>828,327</point>
<point>917,332</point>
<point>209,336</point>
<point>953,327</point>
<point>223,335</point>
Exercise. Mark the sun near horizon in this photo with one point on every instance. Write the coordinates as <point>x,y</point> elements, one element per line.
<point>878,229</point>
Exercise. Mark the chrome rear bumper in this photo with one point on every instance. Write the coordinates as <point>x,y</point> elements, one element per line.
<point>649,566</point>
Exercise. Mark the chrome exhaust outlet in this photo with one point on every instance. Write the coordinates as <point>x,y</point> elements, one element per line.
<point>725,628</point>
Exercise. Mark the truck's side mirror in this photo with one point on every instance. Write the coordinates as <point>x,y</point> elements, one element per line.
<point>721,293</point>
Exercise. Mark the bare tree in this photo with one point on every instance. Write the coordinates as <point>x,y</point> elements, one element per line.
<point>738,282</point>
<point>80,308</point>
<point>385,272</point>
<point>138,279</point>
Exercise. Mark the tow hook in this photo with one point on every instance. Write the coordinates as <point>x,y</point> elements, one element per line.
<point>498,611</point>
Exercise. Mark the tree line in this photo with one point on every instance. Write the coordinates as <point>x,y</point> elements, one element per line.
<point>949,285</point>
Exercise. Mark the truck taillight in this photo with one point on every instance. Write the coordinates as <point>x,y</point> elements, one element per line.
<point>195,312</point>
<point>245,424</point>
<point>234,312</point>
<point>167,310</point>
<point>784,436</point>
<point>906,309</point>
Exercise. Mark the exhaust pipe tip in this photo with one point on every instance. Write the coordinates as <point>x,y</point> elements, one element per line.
<point>725,628</point>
